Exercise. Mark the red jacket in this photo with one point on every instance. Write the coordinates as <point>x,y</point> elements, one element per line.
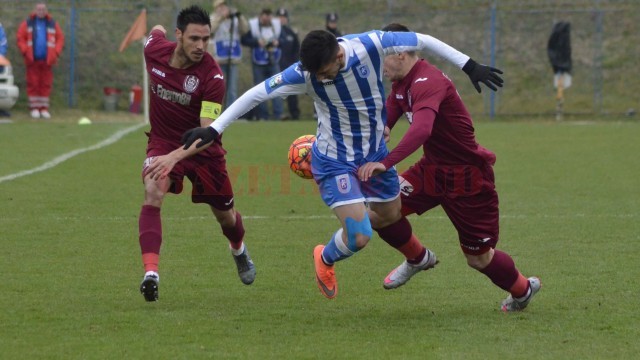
<point>55,39</point>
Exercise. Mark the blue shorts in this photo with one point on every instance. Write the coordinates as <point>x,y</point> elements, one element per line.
<point>339,184</point>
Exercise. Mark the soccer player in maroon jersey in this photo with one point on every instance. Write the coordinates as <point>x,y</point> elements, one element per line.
<point>187,89</point>
<point>455,172</point>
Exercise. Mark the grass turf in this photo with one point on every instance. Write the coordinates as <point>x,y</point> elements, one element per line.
<point>71,264</point>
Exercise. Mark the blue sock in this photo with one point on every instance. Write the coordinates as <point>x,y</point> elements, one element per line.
<point>335,250</point>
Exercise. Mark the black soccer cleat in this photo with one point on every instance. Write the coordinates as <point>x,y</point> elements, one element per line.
<point>149,286</point>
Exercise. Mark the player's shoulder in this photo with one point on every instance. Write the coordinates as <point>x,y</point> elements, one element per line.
<point>292,75</point>
<point>209,69</point>
<point>157,43</point>
<point>428,70</point>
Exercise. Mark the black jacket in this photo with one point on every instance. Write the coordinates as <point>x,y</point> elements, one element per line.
<point>290,46</point>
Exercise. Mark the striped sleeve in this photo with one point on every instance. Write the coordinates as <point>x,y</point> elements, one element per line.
<point>396,42</point>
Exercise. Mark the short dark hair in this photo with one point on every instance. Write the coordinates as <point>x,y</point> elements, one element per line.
<point>192,15</point>
<point>318,49</point>
<point>397,27</point>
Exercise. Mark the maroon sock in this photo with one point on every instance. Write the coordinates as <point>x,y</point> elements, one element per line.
<point>150,236</point>
<point>235,234</point>
<point>396,234</point>
<point>399,235</point>
<point>501,270</point>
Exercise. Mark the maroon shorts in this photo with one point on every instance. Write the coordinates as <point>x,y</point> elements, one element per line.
<point>207,173</point>
<point>474,214</point>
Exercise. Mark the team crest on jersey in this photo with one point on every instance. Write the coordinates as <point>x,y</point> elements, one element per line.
<point>363,70</point>
<point>275,81</point>
<point>344,183</point>
<point>190,83</point>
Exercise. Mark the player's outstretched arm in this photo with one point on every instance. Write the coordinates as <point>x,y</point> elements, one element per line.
<point>478,73</point>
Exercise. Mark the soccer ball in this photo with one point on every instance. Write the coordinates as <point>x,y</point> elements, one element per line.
<point>300,156</point>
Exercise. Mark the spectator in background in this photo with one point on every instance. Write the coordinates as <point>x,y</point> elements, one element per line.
<point>290,47</point>
<point>3,44</point>
<point>227,27</point>
<point>3,53</point>
<point>40,40</point>
<point>332,24</point>
<point>262,38</point>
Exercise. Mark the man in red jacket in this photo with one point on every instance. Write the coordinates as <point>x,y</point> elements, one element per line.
<point>40,40</point>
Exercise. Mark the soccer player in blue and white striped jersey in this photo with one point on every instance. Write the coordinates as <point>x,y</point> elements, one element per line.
<point>344,77</point>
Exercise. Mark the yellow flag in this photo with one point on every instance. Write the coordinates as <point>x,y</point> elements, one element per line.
<point>138,30</point>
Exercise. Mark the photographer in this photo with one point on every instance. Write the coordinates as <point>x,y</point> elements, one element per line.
<point>262,38</point>
<point>227,27</point>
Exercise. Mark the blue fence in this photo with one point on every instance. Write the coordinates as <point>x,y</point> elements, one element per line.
<point>510,35</point>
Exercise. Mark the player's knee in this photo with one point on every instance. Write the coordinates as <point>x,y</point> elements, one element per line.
<point>153,196</point>
<point>154,191</point>
<point>358,233</point>
<point>225,218</point>
<point>385,214</point>
<point>474,263</point>
<point>479,261</point>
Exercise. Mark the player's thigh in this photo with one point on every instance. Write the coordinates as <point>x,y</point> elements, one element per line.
<point>383,187</point>
<point>340,190</point>
<point>383,214</point>
<point>476,218</point>
<point>412,195</point>
<point>176,176</point>
<point>211,183</point>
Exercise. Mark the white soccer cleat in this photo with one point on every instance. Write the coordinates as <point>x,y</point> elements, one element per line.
<point>511,304</point>
<point>45,114</point>
<point>35,113</point>
<point>400,275</point>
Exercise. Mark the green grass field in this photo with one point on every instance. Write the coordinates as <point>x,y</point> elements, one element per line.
<point>71,267</point>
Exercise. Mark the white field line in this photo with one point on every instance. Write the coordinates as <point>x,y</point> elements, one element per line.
<point>332,217</point>
<point>64,157</point>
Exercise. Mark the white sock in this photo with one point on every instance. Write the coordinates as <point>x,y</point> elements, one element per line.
<point>337,237</point>
<point>238,251</point>
<point>525,297</point>
<point>152,273</point>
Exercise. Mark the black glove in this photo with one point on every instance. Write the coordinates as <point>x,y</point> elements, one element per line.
<point>486,74</point>
<point>206,134</point>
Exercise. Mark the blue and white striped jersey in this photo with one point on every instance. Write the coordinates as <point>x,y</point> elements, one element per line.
<point>351,107</point>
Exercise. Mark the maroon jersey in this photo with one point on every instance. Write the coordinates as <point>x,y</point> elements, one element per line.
<point>176,95</point>
<point>446,138</point>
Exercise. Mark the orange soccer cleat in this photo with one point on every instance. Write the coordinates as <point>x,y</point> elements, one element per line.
<point>325,275</point>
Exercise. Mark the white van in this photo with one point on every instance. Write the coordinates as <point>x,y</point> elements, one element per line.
<point>8,91</point>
